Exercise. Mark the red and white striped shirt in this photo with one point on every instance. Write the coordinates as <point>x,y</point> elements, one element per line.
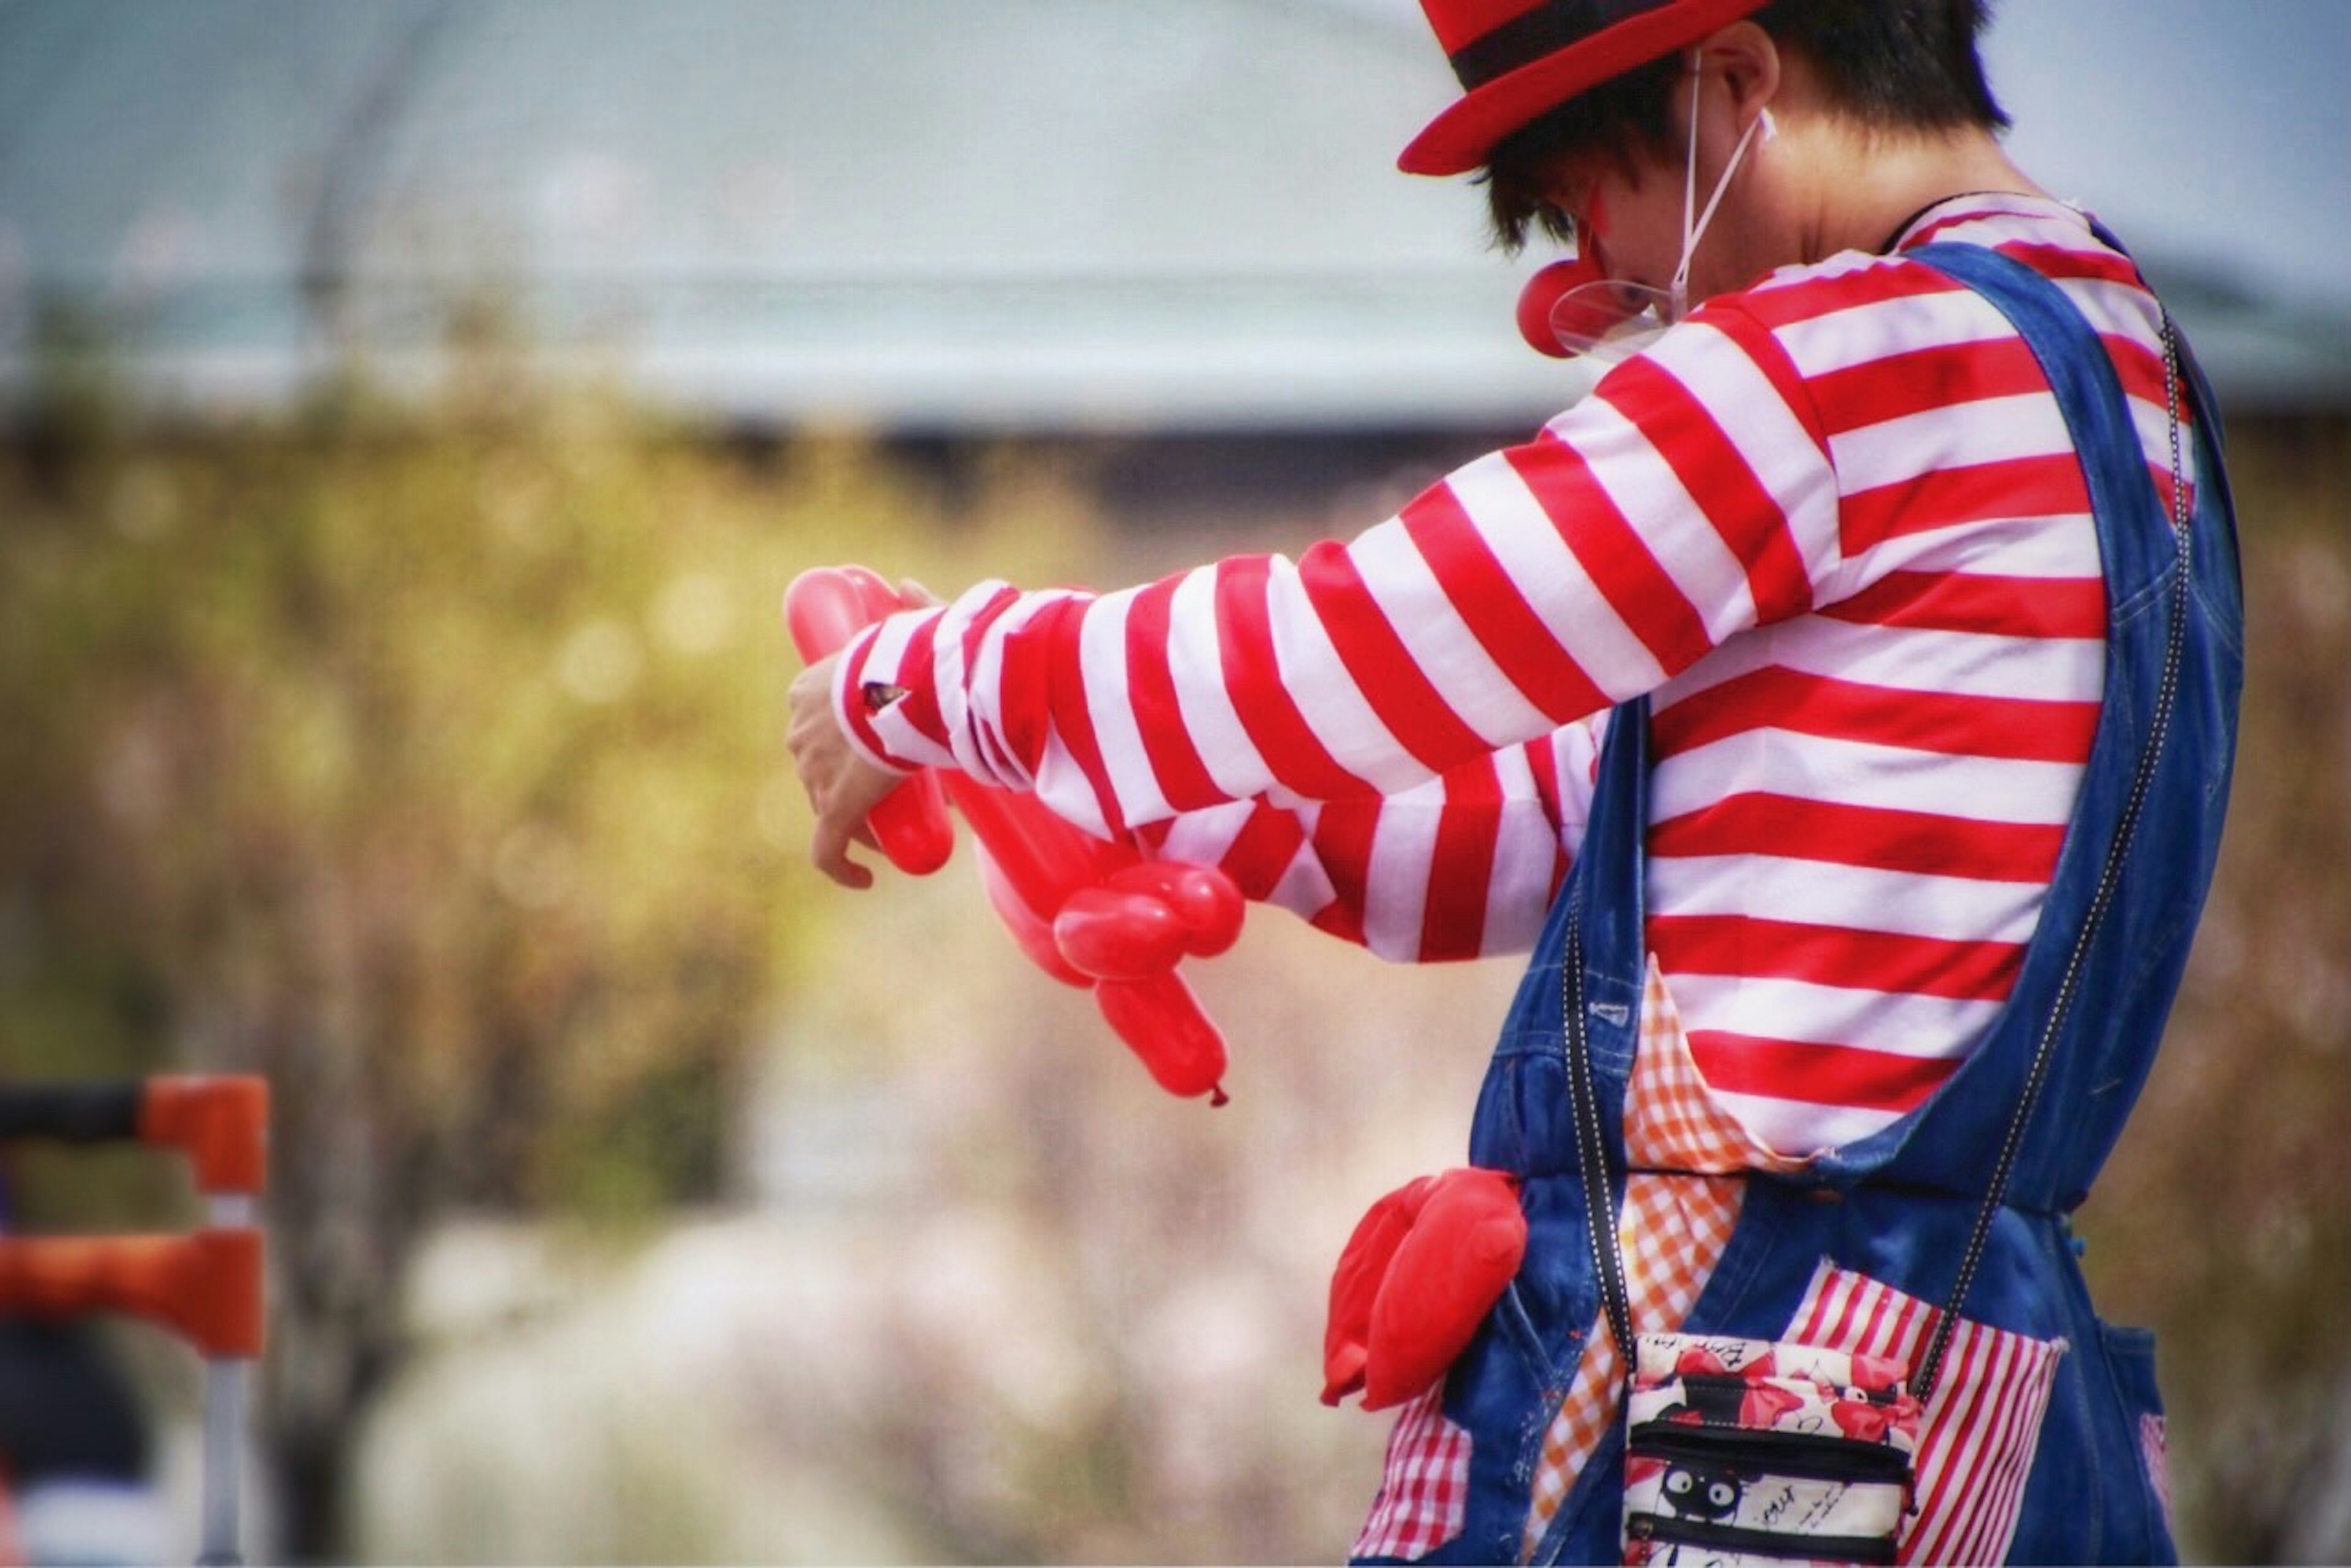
<point>1832,523</point>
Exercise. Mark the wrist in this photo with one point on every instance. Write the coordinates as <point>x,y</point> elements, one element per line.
<point>858,694</point>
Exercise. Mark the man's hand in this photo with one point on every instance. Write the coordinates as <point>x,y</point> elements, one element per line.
<point>841,783</point>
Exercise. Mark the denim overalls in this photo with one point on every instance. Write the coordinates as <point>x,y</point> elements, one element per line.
<point>1901,1207</point>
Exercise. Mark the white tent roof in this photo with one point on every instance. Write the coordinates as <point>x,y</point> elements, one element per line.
<point>939,212</point>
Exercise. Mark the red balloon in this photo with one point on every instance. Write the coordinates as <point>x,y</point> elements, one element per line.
<point>1356,1286</point>
<point>1462,1252</point>
<point>1421,1272</point>
<point>878,598</point>
<point>1089,912</point>
<point>825,608</point>
<point>1115,935</point>
<point>1202,898</point>
<point>1161,1022</point>
<point>1043,858</point>
<point>1031,931</point>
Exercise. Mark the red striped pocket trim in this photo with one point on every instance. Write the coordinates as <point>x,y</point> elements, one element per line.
<point>1982,1427</point>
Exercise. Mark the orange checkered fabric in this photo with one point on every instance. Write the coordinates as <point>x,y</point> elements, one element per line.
<point>1689,1158</point>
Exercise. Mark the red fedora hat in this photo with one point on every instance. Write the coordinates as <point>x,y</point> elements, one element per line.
<point>1518,59</point>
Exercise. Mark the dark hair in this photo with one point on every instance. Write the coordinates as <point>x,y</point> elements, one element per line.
<point>1895,64</point>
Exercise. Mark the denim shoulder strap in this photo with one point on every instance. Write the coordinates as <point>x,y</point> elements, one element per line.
<point>2091,396</point>
<point>2088,392</point>
<point>2144,563</point>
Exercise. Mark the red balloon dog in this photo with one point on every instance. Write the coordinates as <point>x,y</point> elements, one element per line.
<point>1090,911</point>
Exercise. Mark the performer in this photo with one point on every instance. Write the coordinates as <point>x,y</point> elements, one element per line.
<point>1839,702</point>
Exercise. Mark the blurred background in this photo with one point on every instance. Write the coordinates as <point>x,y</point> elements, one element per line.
<point>409,415</point>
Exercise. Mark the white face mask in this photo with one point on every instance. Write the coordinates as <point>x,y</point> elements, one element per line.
<point>1609,320</point>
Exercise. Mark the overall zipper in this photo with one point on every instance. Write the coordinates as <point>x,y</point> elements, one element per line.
<point>1592,1156</point>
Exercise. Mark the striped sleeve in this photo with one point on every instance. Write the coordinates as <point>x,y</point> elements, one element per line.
<point>1462,866</point>
<point>1689,498</point>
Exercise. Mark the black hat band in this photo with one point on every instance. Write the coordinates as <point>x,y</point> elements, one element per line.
<point>1529,36</point>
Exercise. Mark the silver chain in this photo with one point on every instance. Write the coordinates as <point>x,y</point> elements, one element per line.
<point>2179,510</point>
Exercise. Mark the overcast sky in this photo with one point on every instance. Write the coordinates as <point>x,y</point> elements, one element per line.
<point>2224,127</point>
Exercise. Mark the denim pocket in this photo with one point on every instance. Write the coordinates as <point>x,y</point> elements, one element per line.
<point>1516,1325</point>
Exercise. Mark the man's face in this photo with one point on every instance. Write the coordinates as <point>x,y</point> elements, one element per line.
<point>1629,211</point>
<point>1628,217</point>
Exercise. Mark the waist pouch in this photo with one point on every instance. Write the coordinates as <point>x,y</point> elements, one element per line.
<point>1743,1451</point>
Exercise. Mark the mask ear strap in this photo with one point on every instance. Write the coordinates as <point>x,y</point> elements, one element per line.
<point>1692,229</point>
<point>1689,180</point>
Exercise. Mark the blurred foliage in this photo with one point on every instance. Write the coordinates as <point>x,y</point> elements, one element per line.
<point>427,756</point>
<point>2224,1220</point>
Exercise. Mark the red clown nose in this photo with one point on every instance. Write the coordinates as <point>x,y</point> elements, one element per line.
<point>1571,305</point>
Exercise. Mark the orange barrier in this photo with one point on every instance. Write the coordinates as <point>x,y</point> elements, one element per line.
<point>222,1124</point>
<point>204,1286</point>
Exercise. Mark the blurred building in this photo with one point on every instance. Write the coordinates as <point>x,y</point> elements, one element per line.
<point>931,214</point>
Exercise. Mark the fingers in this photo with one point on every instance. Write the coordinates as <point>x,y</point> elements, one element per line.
<point>818,753</point>
<point>829,852</point>
<point>842,786</point>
